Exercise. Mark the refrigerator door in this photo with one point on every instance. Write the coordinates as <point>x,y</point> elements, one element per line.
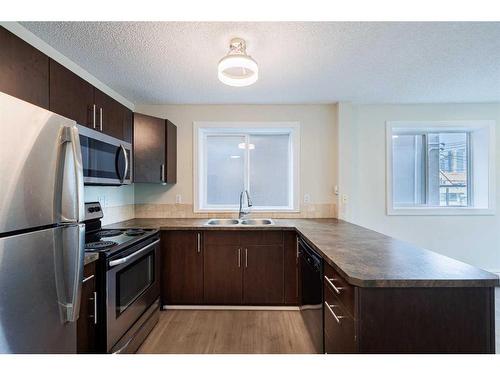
<point>41,178</point>
<point>40,285</point>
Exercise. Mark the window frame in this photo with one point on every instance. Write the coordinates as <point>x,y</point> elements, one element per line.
<point>425,128</point>
<point>203,128</point>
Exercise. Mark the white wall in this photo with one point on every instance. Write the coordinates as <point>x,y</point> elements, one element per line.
<point>318,145</point>
<point>473,239</point>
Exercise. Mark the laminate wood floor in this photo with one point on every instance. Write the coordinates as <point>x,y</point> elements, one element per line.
<point>222,331</point>
<point>207,331</point>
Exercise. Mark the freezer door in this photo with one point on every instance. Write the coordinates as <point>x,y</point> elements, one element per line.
<point>40,285</point>
<point>41,178</point>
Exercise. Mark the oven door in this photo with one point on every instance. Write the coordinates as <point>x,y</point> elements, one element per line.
<point>132,281</point>
<point>106,160</point>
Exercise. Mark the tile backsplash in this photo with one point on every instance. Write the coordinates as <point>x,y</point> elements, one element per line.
<point>324,210</point>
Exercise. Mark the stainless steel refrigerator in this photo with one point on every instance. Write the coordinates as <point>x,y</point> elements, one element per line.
<point>41,235</point>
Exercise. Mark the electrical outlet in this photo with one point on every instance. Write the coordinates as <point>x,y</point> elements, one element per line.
<point>307,198</point>
<point>178,199</point>
<point>345,198</point>
<point>336,189</point>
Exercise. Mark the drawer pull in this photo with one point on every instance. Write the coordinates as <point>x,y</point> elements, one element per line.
<point>337,317</point>
<point>337,289</point>
<point>87,279</point>
<point>94,317</point>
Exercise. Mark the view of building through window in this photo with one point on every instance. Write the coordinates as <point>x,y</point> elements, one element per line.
<point>453,169</point>
<point>430,169</point>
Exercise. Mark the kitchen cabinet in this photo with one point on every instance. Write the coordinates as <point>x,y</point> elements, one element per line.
<point>406,320</point>
<point>87,321</point>
<point>339,313</point>
<point>71,96</point>
<point>263,275</point>
<point>30,75</point>
<point>244,267</point>
<point>155,150</point>
<point>24,70</point>
<point>182,268</point>
<point>222,268</point>
<point>111,116</point>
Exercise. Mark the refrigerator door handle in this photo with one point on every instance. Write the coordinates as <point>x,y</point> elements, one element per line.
<point>71,188</point>
<point>70,250</point>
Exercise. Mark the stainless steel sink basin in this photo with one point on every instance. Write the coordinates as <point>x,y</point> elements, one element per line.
<point>223,222</point>
<point>257,222</point>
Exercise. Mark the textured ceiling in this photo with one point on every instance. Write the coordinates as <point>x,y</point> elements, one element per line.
<point>176,62</point>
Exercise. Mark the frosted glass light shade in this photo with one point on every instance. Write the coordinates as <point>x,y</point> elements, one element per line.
<point>238,70</point>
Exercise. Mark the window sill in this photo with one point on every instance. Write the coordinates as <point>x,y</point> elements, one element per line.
<point>440,211</point>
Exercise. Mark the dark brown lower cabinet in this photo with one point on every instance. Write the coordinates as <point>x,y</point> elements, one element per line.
<point>243,267</point>
<point>222,275</point>
<point>263,275</point>
<point>87,322</point>
<point>182,268</point>
<point>407,320</point>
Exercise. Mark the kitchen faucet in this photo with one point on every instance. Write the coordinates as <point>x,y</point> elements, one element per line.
<point>242,213</point>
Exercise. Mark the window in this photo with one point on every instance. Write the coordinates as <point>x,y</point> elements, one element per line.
<point>440,167</point>
<point>259,157</point>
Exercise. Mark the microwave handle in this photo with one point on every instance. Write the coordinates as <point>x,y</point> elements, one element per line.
<point>125,170</point>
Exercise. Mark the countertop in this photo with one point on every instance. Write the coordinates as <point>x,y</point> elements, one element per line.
<point>90,257</point>
<point>365,258</point>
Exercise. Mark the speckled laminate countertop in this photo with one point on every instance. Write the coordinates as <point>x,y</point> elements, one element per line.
<point>90,257</point>
<point>363,257</point>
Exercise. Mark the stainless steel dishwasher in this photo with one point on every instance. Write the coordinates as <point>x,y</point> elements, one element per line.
<point>311,306</point>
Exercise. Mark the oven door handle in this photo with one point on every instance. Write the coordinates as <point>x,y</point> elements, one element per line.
<point>131,256</point>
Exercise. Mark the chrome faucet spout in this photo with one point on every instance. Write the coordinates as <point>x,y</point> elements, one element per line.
<point>242,212</point>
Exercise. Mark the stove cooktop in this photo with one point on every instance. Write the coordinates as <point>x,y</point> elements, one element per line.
<point>108,239</point>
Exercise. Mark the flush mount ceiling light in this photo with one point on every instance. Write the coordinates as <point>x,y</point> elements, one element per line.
<point>237,68</point>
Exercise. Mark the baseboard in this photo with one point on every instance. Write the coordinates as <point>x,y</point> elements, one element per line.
<point>231,307</point>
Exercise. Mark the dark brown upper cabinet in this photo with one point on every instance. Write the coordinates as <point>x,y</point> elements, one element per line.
<point>155,150</point>
<point>24,70</point>
<point>71,96</point>
<point>111,116</point>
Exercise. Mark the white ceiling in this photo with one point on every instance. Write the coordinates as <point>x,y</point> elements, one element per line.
<point>299,62</point>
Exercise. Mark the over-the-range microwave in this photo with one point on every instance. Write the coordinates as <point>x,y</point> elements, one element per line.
<point>106,160</point>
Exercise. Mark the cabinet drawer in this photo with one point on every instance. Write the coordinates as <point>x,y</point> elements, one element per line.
<point>89,271</point>
<point>336,286</point>
<point>340,336</point>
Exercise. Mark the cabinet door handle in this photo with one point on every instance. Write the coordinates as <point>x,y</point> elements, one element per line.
<point>239,258</point>
<point>198,242</point>
<point>100,117</point>
<point>246,258</point>
<point>94,115</point>
<point>87,279</point>
<point>337,289</point>
<point>95,308</point>
<point>337,317</point>
<point>297,250</point>
<point>162,173</point>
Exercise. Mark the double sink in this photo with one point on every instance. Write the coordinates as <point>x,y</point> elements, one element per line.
<point>234,222</point>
